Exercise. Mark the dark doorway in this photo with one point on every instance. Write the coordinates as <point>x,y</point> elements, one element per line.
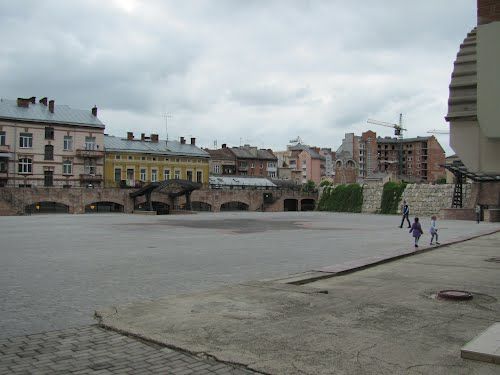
<point>307,205</point>
<point>47,208</point>
<point>290,205</point>
<point>103,207</point>
<point>200,206</point>
<point>234,206</point>
<point>160,207</point>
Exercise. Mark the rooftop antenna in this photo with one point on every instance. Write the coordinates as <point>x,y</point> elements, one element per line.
<point>215,144</point>
<point>167,116</point>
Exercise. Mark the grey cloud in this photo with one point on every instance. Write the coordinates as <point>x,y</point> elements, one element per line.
<point>268,95</point>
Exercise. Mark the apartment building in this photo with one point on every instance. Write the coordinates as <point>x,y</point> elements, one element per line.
<point>251,161</point>
<point>222,161</point>
<point>47,145</point>
<point>131,162</point>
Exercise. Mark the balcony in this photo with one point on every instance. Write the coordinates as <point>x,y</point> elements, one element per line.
<point>89,153</point>
<point>90,177</point>
<point>4,148</point>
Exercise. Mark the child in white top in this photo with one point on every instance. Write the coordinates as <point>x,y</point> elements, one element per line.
<point>433,230</point>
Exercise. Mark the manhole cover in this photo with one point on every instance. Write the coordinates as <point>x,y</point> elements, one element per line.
<point>494,259</point>
<point>456,295</point>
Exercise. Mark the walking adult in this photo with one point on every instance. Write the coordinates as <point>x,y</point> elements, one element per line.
<point>478,213</point>
<point>406,214</point>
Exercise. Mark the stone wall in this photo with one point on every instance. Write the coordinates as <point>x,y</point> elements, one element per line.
<point>372,198</point>
<point>427,200</point>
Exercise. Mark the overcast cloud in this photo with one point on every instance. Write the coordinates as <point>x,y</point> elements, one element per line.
<point>258,72</point>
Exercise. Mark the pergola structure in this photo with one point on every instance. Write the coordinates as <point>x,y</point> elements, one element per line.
<point>461,173</point>
<point>173,188</point>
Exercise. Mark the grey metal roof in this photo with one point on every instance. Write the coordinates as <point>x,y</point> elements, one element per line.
<point>248,153</point>
<point>38,112</point>
<point>112,143</point>
<point>314,154</point>
<point>240,181</point>
<point>462,102</point>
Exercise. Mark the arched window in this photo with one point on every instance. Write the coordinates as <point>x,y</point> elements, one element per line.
<point>338,164</point>
<point>350,164</point>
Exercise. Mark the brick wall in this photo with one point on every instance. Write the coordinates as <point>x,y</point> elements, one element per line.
<point>488,11</point>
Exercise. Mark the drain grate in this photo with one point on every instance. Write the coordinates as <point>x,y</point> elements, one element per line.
<point>455,295</point>
<point>494,260</point>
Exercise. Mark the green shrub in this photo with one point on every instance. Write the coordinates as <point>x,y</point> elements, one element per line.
<point>342,198</point>
<point>309,187</point>
<point>391,196</point>
<point>324,183</point>
<point>441,181</point>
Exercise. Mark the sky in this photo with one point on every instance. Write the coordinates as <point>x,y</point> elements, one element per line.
<point>239,71</point>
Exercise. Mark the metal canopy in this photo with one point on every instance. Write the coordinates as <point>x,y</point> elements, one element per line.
<point>457,167</point>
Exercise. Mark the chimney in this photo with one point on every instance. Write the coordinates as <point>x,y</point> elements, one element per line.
<point>33,100</point>
<point>224,145</point>
<point>154,138</point>
<point>94,111</point>
<point>143,136</point>
<point>183,141</point>
<point>21,102</point>
<point>193,141</point>
<point>51,106</point>
<point>43,101</point>
<point>130,136</point>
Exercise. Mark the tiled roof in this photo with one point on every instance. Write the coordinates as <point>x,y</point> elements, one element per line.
<point>462,102</point>
<point>248,153</point>
<point>221,154</point>
<point>161,147</point>
<point>38,112</point>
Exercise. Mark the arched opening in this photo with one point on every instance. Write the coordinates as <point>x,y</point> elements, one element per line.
<point>47,208</point>
<point>234,206</point>
<point>103,207</point>
<point>290,205</point>
<point>307,205</point>
<point>350,164</point>
<point>200,206</point>
<point>161,208</point>
<point>338,164</point>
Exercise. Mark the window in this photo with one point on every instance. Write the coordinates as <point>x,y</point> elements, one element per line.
<point>49,152</point>
<point>48,178</point>
<point>68,142</point>
<point>252,165</point>
<point>90,143</point>
<point>49,133</point>
<point>130,158</point>
<point>143,174</point>
<point>67,166</point>
<point>154,175</point>
<point>217,168</point>
<point>25,165</point>
<point>189,175</point>
<point>166,174</point>
<point>2,138</point>
<point>177,175</point>
<point>261,165</point>
<point>26,140</point>
<point>199,176</point>
<point>3,165</point>
<point>89,166</point>
<point>271,174</point>
<point>143,158</point>
<point>118,174</point>
<point>117,157</point>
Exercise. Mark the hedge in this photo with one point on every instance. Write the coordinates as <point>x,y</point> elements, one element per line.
<point>342,198</point>
<point>391,196</point>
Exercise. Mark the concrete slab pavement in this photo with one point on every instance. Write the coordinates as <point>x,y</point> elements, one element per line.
<point>384,319</point>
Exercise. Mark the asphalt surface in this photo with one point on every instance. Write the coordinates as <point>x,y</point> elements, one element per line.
<point>55,270</point>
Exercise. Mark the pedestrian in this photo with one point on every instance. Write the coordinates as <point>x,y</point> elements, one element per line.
<point>433,230</point>
<point>478,213</point>
<point>406,214</point>
<point>416,230</point>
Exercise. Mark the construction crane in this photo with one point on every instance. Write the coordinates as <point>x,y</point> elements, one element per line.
<point>398,132</point>
<point>398,128</point>
<point>435,131</point>
<point>296,140</point>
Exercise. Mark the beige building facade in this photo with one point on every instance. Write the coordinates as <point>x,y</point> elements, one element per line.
<point>46,145</point>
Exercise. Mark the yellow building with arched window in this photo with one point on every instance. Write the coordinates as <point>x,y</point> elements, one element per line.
<point>131,162</point>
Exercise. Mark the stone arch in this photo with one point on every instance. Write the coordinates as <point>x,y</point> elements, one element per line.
<point>338,164</point>
<point>201,206</point>
<point>350,163</point>
<point>103,207</point>
<point>307,204</point>
<point>234,206</point>
<point>47,207</point>
<point>290,204</point>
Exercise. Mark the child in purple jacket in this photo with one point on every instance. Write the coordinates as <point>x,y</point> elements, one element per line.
<point>416,229</point>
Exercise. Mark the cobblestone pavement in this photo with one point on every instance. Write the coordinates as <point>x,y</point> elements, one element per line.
<point>93,350</point>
